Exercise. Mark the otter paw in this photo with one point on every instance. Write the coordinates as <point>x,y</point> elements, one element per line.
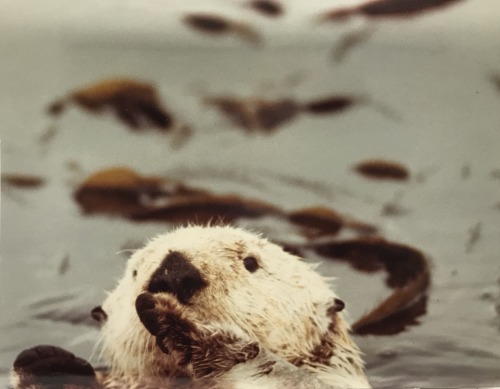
<point>220,352</point>
<point>212,350</point>
<point>49,365</point>
<point>162,320</point>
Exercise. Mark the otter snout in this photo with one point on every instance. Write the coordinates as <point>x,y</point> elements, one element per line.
<point>177,276</point>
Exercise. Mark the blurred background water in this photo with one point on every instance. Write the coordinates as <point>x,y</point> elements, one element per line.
<point>426,93</point>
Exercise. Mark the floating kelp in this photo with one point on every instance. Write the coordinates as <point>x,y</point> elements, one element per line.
<point>402,263</point>
<point>208,208</point>
<point>408,274</point>
<point>256,114</point>
<point>122,191</point>
<point>388,9</point>
<point>22,181</point>
<point>236,110</point>
<point>213,24</point>
<point>327,105</point>
<point>266,115</point>
<point>270,115</point>
<point>382,170</point>
<point>393,315</point>
<point>135,103</point>
<point>320,221</point>
<point>267,7</point>
<point>216,25</point>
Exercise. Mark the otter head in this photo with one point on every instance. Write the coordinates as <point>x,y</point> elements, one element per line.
<point>223,275</point>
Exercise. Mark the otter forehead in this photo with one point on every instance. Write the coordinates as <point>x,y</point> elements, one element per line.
<point>199,238</point>
<point>198,243</point>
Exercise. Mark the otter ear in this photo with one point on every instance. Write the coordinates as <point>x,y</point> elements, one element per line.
<point>99,314</point>
<point>337,306</point>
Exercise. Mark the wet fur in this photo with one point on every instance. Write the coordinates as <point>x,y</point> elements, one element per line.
<point>275,326</point>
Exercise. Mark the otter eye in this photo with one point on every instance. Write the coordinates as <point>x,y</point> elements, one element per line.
<point>134,273</point>
<point>250,264</point>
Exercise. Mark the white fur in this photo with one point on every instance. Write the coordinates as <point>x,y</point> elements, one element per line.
<point>283,305</point>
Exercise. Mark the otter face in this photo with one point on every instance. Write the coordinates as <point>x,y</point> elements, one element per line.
<point>218,275</point>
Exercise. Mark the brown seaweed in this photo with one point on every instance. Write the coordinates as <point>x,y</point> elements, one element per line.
<point>122,191</point>
<point>397,8</point>
<point>320,219</point>
<point>256,114</point>
<point>388,9</point>
<point>217,25</point>
<point>402,263</point>
<point>267,7</point>
<point>135,103</point>
<point>213,24</point>
<point>327,105</point>
<point>382,170</point>
<point>408,274</point>
<point>235,110</point>
<point>206,209</point>
<point>22,181</point>
<point>395,313</point>
<point>266,115</point>
<point>271,115</point>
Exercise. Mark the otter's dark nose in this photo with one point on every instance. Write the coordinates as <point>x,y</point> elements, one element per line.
<point>178,277</point>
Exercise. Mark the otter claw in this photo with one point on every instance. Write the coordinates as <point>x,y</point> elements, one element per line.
<point>251,351</point>
<point>145,305</point>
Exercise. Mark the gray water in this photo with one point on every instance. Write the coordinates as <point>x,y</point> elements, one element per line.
<point>429,102</point>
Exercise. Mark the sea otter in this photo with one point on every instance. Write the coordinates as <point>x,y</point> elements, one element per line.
<point>211,307</point>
